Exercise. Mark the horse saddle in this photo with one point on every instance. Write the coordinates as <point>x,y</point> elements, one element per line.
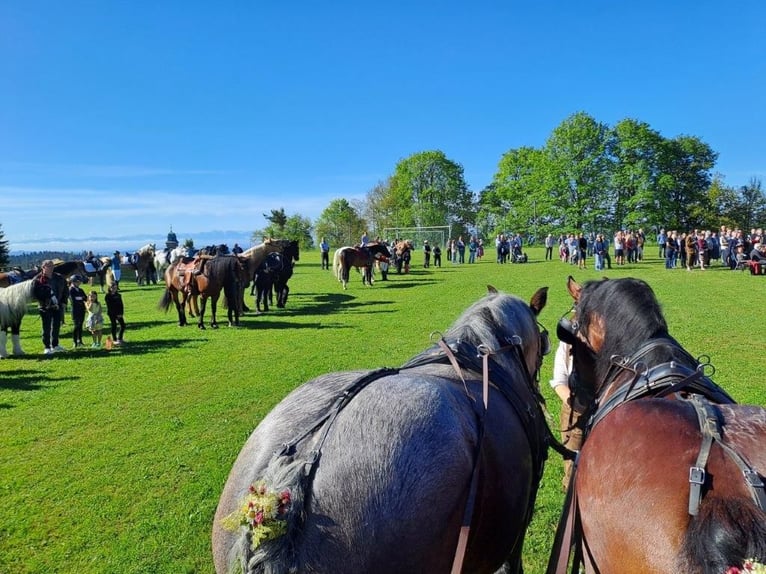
<point>187,271</point>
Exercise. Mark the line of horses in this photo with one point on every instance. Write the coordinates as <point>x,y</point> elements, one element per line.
<point>434,466</point>
<point>206,276</point>
<point>365,258</point>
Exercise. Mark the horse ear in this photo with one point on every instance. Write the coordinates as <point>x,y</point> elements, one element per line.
<point>491,289</point>
<point>539,299</point>
<point>574,288</point>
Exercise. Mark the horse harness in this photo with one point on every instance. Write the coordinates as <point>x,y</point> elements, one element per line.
<point>663,380</point>
<point>461,356</point>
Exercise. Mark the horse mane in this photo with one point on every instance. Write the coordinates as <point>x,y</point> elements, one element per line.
<point>631,315</point>
<point>13,302</point>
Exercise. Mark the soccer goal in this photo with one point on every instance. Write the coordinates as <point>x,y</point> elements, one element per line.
<point>436,235</point>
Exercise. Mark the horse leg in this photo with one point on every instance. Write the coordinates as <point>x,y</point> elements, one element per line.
<point>201,315</point>
<point>3,343</point>
<point>15,340</point>
<point>180,307</point>
<point>213,310</point>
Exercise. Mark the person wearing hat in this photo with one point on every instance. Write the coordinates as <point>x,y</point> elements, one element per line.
<point>116,271</point>
<point>77,297</point>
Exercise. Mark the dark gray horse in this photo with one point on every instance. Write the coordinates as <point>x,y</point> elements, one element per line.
<point>380,465</point>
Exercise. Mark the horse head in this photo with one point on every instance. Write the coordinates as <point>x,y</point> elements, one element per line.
<point>612,319</point>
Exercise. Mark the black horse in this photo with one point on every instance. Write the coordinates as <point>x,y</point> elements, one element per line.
<point>263,281</point>
<point>290,255</point>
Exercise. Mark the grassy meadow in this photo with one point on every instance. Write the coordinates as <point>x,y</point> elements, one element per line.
<point>113,461</point>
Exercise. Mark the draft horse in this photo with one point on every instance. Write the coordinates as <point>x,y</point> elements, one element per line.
<point>13,306</point>
<point>670,475</point>
<point>362,258</point>
<point>390,470</point>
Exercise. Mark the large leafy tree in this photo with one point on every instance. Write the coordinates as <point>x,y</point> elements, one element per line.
<point>685,165</point>
<point>5,253</point>
<point>429,189</point>
<point>634,147</point>
<point>579,172</point>
<point>752,208</point>
<point>517,200</point>
<point>341,223</point>
<point>282,226</point>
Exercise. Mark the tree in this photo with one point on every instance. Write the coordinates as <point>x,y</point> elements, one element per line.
<point>428,189</point>
<point>340,223</point>
<point>752,209</point>
<point>5,253</point>
<point>634,146</point>
<point>277,220</point>
<point>685,165</point>
<point>518,194</point>
<point>579,172</point>
<point>282,226</point>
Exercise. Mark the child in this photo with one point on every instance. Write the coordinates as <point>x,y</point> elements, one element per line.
<point>95,320</point>
<point>115,310</point>
<point>77,297</point>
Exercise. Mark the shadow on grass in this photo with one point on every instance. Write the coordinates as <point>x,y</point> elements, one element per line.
<point>25,380</point>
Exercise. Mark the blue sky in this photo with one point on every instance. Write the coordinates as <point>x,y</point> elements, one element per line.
<point>119,120</point>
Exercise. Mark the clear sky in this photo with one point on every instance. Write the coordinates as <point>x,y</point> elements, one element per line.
<point>119,120</point>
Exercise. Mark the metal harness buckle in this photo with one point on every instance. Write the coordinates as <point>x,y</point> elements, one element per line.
<point>696,475</point>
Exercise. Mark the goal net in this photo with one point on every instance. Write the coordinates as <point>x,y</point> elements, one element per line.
<point>436,235</point>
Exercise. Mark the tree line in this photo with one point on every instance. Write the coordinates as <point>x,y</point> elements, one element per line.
<point>587,176</point>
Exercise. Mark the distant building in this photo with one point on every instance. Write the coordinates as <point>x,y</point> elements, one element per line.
<point>172,240</point>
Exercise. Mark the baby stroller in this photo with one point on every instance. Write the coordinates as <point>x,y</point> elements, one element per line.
<point>518,257</point>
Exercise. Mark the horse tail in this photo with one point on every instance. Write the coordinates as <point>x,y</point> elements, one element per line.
<point>336,264</point>
<point>165,300</point>
<point>725,533</point>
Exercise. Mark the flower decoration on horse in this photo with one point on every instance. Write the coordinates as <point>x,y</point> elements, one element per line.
<point>749,566</point>
<point>263,513</point>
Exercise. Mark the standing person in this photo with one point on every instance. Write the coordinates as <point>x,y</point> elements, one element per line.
<point>582,245</point>
<point>50,316</point>
<point>599,249</point>
<point>549,243</point>
<point>437,256</point>
<point>480,249</point>
<point>324,248</point>
<point>473,246</point>
<point>690,243</point>
<point>115,309</point>
<point>571,421</point>
<point>95,320</point>
<point>77,296</point>
<point>365,240</point>
<point>116,271</point>
<point>426,253</point>
<point>460,250</point>
<point>662,240</point>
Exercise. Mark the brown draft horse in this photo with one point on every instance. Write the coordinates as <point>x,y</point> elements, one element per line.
<point>670,476</point>
<point>362,258</point>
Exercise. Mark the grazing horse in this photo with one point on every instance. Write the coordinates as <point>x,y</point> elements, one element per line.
<point>143,263</point>
<point>390,470</point>
<point>359,257</point>
<point>670,475</point>
<point>13,307</point>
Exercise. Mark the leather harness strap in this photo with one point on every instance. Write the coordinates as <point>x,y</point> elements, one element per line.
<point>710,425</point>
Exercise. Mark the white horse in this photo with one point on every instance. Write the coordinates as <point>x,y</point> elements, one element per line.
<point>13,307</point>
<point>144,264</point>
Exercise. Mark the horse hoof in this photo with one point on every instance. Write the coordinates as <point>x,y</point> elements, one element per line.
<point>214,325</point>
<point>200,326</point>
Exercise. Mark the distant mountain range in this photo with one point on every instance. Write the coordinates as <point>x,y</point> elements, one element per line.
<point>103,245</point>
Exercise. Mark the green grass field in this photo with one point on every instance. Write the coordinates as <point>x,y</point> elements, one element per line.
<point>114,461</point>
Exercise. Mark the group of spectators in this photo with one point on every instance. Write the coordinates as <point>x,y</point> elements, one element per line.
<point>699,248</point>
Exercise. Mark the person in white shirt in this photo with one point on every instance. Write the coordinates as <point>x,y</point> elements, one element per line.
<point>571,420</point>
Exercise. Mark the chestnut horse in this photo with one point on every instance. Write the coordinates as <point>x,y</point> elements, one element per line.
<point>670,475</point>
<point>362,258</point>
<point>429,467</point>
